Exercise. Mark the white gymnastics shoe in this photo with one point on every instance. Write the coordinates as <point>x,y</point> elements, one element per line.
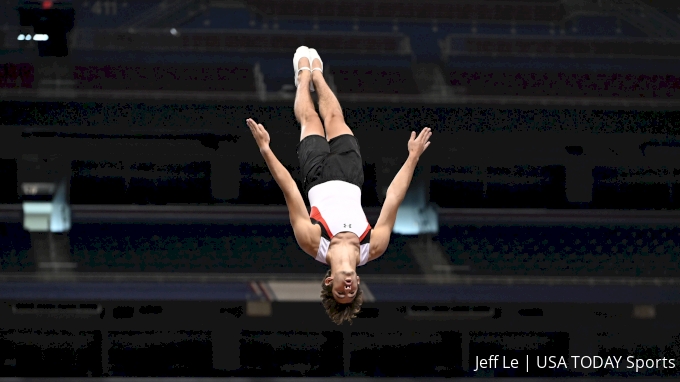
<point>301,52</point>
<point>314,55</point>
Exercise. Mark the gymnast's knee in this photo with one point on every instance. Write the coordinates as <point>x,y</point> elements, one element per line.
<point>307,117</point>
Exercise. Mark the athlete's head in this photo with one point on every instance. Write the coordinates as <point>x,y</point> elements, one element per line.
<point>341,295</point>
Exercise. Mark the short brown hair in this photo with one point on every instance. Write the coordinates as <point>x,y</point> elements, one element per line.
<point>336,311</point>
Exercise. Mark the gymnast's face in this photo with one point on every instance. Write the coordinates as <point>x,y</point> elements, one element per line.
<point>345,285</point>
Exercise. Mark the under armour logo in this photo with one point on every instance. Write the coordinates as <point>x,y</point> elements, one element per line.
<point>345,226</point>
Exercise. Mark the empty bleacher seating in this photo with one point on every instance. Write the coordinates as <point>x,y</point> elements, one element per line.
<point>479,10</point>
<point>425,31</point>
<point>498,186</point>
<point>207,248</point>
<point>278,72</point>
<point>545,46</point>
<point>249,41</point>
<point>258,185</point>
<point>110,14</point>
<point>8,173</point>
<point>670,9</point>
<point>396,259</point>
<point>140,183</point>
<point>187,248</point>
<point>16,75</point>
<point>222,18</point>
<point>564,251</point>
<point>375,80</point>
<point>598,25</point>
<point>357,72</point>
<point>635,188</point>
<point>262,32</point>
<point>15,244</point>
<point>166,77</point>
<point>567,83</point>
<point>269,50</point>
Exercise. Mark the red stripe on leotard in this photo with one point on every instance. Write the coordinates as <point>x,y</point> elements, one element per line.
<point>368,229</point>
<point>316,215</point>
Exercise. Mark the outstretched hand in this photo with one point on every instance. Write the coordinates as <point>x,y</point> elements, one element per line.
<point>259,133</point>
<point>417,145</point>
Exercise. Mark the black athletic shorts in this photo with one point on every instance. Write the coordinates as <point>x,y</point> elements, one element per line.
<point>322,161</point>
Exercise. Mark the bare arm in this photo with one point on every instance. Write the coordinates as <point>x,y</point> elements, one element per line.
<point>305,232</point>
<point>297,211</point>
<point>280,173</point>
<point>380,237</point>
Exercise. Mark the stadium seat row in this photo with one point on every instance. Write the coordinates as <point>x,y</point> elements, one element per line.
<point>486,250</point>
<point>370,80</point>
<point>565,251</point>
<point>197,248</point>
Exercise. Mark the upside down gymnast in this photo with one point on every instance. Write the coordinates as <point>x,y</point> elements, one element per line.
<point>336,231</point>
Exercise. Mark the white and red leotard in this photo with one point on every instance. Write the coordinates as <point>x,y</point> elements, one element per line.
<point>336,207</point>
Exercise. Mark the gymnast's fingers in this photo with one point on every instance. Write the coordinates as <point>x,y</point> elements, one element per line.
<point>423,134</point>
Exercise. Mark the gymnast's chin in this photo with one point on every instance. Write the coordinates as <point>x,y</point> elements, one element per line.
<point>341,293</point>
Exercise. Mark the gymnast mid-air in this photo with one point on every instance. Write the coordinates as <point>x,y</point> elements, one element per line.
<point>335,231</point>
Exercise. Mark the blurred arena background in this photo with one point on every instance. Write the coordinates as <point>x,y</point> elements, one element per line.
<point>141,233</point>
